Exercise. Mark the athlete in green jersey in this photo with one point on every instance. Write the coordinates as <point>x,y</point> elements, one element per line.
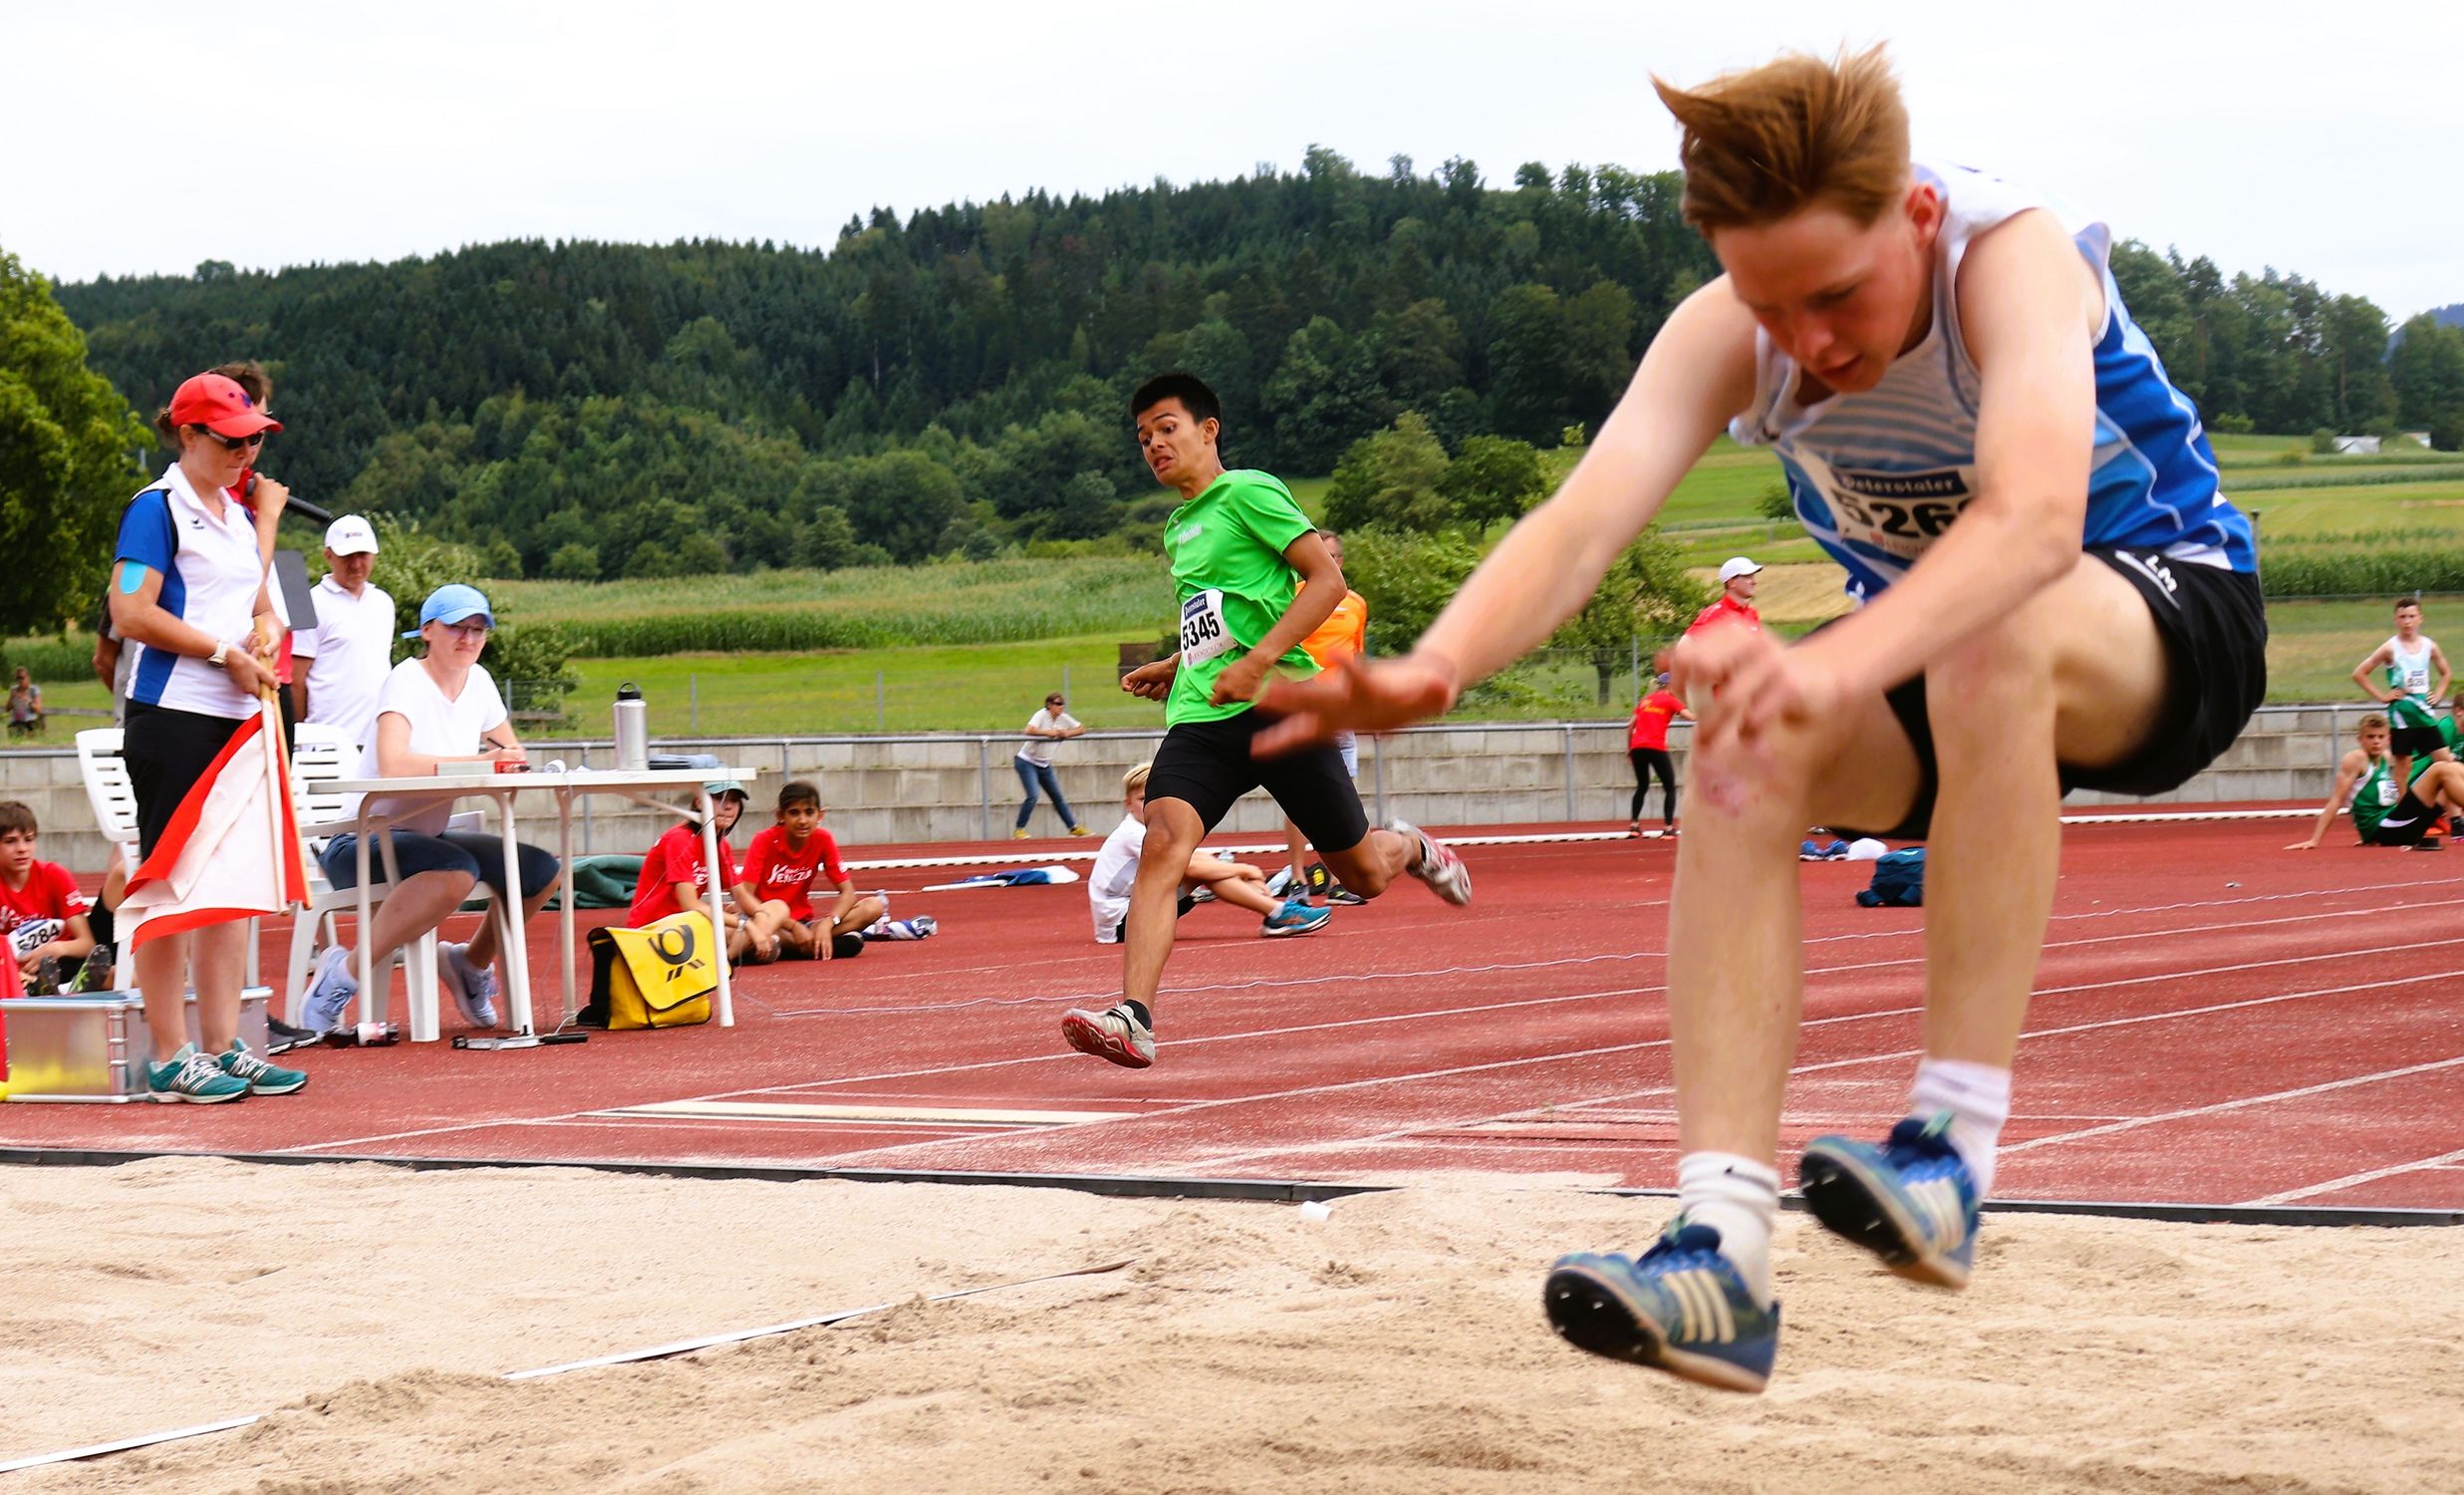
<point>1253,579</point>
<point>2397,676</point>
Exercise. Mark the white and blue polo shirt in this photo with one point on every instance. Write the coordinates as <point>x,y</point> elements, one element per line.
<point>1878,476</point>
<point>210,576</point>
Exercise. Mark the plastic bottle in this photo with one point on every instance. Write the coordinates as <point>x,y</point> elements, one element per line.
<point>633,728</point>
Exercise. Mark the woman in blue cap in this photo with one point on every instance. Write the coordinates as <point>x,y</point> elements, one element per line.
<point>439,708</point>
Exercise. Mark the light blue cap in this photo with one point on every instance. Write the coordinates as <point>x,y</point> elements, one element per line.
<point>452,603</point>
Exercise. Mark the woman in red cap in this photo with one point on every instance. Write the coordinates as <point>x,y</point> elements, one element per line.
<point>188,586</point>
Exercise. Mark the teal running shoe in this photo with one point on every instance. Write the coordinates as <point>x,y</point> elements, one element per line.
<point>1295,917</point>
<point>1680,1306</point>
<point>193,1076</point>
<point>1910,1201</point>
<point>263,1078</point>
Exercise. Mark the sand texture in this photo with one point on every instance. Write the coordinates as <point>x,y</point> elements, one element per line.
<point>1396,1347</point>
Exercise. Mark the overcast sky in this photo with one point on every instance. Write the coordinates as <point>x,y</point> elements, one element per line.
<point>148,137</point>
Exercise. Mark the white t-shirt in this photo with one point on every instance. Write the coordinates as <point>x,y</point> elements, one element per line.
<point>1039,749</point>
<point>448,728</point>
<point>1116,870</point>
<point>345,655</point>
<point>210,575</point>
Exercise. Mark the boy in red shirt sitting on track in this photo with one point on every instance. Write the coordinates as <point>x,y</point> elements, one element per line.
<point>673,879</point>
<point>776,893</point>
<point>42,913</point>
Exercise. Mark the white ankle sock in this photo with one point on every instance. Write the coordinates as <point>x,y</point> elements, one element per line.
<point>1978,1097</point>
<point>1739,1198</point>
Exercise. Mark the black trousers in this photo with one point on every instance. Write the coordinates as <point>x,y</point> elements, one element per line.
<point>1647,762</point>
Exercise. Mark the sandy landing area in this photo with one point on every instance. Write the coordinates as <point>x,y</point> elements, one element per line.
<point>1398,1345</point>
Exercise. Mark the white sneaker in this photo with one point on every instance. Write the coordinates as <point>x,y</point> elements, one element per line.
<point>328,995</point>
<point>1437,864</point>
<point>1114,1034</point>
<point>474,986</point>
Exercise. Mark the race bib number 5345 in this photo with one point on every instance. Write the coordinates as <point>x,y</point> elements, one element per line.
<point>1202,633</point>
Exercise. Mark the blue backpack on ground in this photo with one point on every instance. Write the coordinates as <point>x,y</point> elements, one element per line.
<point>1899,880</point>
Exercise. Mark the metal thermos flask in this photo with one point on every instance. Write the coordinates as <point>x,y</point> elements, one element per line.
<point>633,728</point>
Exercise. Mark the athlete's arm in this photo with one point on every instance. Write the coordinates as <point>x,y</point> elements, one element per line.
<point>2361,675</point>
<point>1322,592</point>
<point>1697,373</point>
<point>2348,773</point>
<point>2446,677</point>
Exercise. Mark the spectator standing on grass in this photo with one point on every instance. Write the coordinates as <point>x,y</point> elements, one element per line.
<point>344,659</point>
<point>25,706</point>
<point>187,587</point>
<point>2397,676</point>
<point>440,708</point>
<point>1034,764</point>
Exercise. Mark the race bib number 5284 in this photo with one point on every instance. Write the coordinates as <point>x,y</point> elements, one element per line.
<point>1203,632</point>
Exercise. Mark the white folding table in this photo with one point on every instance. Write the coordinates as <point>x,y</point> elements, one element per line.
<point>416,795</point>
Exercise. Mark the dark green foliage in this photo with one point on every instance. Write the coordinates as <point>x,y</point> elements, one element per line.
<point>681,407</point>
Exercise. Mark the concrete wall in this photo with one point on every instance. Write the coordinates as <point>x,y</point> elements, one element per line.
<point>885,790</point>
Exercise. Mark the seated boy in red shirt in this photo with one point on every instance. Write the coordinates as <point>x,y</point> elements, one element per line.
<point>42,914</point>
<point>675,880</point>
<point>779,868</point>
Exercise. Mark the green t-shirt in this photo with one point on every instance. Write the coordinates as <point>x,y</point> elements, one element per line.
<point>2374,795</point>
<point>1231,538</point>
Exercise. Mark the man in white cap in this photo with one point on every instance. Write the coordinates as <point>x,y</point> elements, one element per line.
<point>1735,605</point>
<point>347,656</point>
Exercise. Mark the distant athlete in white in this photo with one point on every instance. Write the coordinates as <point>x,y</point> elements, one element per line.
<point>2055,594</point>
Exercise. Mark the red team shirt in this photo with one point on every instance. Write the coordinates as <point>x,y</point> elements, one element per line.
<point>49,896</point>
<point>675,858</point>
<point>777,870</point>
<point>1652,714</point>
<point>1726,610</point>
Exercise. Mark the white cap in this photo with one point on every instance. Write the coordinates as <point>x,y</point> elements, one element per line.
<point>1735,566</point>
<point>353,535</point>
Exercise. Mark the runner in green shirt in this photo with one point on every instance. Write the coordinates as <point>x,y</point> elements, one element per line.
<point>1253,579</point>
<point>2397,676</point>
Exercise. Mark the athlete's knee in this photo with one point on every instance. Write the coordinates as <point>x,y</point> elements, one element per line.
<point>1768,783</point>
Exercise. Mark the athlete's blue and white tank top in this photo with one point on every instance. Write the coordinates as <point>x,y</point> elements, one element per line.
<point>1879,475</point>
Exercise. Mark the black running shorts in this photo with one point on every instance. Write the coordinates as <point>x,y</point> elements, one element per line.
<point>1208,764</point>
<point>2215,635</point>
<point>2407,822</point>
<point>2414,741</point>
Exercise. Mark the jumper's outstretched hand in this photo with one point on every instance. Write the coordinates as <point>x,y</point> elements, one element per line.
<point>1356,696</point>
<point>1748,681</point>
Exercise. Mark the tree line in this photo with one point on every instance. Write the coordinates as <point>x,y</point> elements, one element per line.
<point>952,382</point>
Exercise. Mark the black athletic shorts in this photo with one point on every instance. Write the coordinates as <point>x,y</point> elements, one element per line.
<point>2407,822</point>
<point>2215,635</point>
<point>1208,764</point>
<point>2414,741</point>
<point>167,751</point>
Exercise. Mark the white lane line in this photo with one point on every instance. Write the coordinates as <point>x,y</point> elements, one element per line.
<point>2243,1102</point>
<point>2350,1180</point>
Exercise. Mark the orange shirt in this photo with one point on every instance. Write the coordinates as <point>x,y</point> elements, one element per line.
<point>1344,634</point>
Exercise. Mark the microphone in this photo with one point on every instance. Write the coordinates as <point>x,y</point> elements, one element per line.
<point>294,504</point>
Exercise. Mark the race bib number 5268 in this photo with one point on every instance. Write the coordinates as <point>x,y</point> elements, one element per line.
<point>1202,633</point>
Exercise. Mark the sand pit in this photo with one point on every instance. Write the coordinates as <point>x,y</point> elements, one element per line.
<point>1397,1346</point>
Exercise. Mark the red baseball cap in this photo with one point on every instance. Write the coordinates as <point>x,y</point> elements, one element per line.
<point>218,404</point>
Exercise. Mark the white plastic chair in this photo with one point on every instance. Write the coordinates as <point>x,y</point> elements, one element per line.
<point>114,798</point>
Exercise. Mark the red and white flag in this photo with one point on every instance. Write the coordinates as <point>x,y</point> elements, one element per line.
<point>230,851</point>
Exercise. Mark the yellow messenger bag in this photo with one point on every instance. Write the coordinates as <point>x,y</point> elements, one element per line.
<point>661,976</point>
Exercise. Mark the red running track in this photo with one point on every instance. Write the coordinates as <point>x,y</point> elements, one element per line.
<point>2217,1021</point>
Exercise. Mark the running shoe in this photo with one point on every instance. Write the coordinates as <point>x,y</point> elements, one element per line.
<point>95,973</point>
<point>263,1078</point>
<point>474,986</point>
<point>1344,897</point>
<point>1910,1201</point>
<point>282,1037</point>
<point>1114,1034</point>
<point>1019,834</point>
<point>1680,1306</point>
<point>1633,828</point>
<point>1080,830</point>
<point>1280,884</point>
<point>1197,896</point>
<point>1437,864</point>
<point>330,994</point>
<point>1295,917</point>
<point>195,1077</point>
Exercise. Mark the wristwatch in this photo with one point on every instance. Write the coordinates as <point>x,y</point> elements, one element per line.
<point>222,652</point>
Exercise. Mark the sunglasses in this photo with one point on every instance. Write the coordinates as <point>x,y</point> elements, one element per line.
<point>467,630</point>
<point>236,444</point>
